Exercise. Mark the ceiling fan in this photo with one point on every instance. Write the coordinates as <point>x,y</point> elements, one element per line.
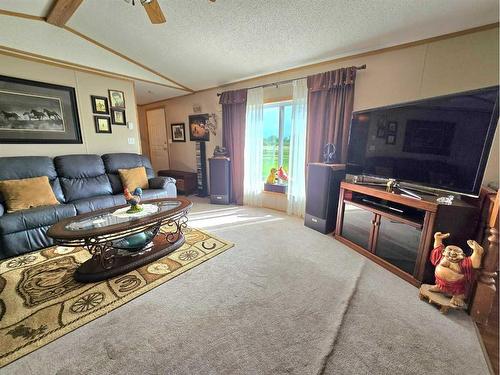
<point>153,10</point>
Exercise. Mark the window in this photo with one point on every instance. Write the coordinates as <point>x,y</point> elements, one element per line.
<point>276,142</point>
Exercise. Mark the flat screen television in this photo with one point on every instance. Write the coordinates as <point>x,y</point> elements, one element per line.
<point>439,143</point>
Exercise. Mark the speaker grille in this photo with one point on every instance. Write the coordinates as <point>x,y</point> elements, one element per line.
<point>219,177</point>
<point>323,186</point>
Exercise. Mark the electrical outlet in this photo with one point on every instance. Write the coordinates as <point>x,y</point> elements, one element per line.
<point>131,141</point>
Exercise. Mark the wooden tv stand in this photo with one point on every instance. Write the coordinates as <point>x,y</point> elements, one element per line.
<point>400,238</point>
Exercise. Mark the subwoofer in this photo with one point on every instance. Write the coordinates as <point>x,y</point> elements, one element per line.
<point>220,180</point>
<point>322,195</point>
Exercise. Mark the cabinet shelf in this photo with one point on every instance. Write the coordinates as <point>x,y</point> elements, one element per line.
<point>417,223</point>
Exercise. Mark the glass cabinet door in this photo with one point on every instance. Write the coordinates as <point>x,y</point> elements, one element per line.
<point>398,244</point>
<point>357,225</point>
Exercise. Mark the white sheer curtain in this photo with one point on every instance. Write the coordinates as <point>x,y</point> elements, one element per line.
<point>254,133</point>
<point>297,162</point>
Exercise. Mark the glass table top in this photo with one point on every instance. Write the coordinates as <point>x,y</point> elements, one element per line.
<point>120,216</point>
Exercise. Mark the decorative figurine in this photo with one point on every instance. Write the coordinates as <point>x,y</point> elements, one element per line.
<point>133,199</point>
<point>282,174</point>
<point>329,153</point>
<point>453,272</point>
<point>271,179</point>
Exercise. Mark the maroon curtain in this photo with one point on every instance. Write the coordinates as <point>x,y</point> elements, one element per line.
<point>234,106</point>
<point>329,110</point>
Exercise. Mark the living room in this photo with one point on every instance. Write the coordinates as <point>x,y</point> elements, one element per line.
<point>229,187</point>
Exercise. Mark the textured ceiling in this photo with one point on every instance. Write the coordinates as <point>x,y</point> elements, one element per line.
<point>206,44</point>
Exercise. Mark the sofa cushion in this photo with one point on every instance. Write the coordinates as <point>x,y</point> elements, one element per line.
<point>98,203</point>
<point>27,193</point>
<point>35,218</point>
<point>82,176</point>
<point>113,162</point>
<point>134,178</point>
<point>19,167</point>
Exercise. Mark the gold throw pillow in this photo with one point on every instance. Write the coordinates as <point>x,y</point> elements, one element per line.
<point>27,193</point>
<point>133,178</point>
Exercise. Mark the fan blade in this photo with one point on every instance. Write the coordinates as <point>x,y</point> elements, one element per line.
<point>154,12</point>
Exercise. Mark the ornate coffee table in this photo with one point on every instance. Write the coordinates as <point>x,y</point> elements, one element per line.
<point>120,242</point>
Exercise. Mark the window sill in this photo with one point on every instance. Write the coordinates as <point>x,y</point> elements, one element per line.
<point>275,188</point>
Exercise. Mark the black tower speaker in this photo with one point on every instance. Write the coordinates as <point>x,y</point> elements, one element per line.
<point>322,195</point>
<point>219,180</point>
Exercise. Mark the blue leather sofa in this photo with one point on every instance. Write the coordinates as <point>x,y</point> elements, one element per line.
<point>81,183</point>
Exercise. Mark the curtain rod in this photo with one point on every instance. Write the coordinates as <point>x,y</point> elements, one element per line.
<point>361,67</point>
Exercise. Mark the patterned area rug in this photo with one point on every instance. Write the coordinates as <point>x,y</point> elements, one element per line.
<point>40,301</point>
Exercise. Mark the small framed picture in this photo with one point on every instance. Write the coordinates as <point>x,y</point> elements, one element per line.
<point>118,116</point>
<point>391,139</point>
<point>392,126</point>
<point>381,132</point>
<point>381,128</point>
<point>102,124</point>
<point>178,132</point>
<point>99,105</point>
<point>116,98</point>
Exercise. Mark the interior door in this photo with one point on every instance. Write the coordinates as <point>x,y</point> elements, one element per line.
<point>158,140</point>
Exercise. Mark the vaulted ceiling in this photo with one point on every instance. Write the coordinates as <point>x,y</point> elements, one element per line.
<point>205,44</point>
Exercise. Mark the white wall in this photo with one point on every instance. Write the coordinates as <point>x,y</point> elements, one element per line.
<point>85,84</point>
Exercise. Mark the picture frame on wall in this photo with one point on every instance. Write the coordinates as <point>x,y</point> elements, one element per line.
<point>102,124</point>
<point>99,105</point>
<point>198,129</point>
<point>37,112</point>
<point>381,131</point>
<point>178,132</point>
<point>391,139</point>
<point>116,99</point>
<point>392,126</point>
<point>381,128</point>
<point>118,117</point>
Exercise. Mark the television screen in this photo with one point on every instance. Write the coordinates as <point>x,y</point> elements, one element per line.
<point>440,142</point>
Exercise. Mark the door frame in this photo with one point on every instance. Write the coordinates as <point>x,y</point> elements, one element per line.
<point>166,130</point>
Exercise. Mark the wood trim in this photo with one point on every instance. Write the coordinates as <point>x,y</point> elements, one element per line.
<point>278,100</point>
<point>299,68</point>
<point>344,58</point>
<point>62,11</point>
<point>4,50</point>
<point>95,42</point>
<point>125,57</point>
<point>5,12</point>
<point>363,54</point>
<point>405,276</point>
<point>424,248</point>
<point>381,193</point>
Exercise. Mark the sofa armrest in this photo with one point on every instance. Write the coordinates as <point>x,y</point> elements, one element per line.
<point>160,182</point>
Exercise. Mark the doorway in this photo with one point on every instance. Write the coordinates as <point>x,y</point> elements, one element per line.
<point>158,139</point>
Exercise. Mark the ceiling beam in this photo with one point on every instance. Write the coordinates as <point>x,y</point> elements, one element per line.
<point>62,10</point>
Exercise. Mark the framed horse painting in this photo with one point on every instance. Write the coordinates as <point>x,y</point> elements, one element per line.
<point>37,112</point>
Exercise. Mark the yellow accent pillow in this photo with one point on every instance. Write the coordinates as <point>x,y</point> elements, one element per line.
<point>133,178</point>
<point>27,193</point>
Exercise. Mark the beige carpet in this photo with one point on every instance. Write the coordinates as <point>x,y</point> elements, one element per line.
<point>40,301</point>
<point>285,300</point>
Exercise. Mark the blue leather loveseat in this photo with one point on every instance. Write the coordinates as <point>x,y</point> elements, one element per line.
<point>81,183</point>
